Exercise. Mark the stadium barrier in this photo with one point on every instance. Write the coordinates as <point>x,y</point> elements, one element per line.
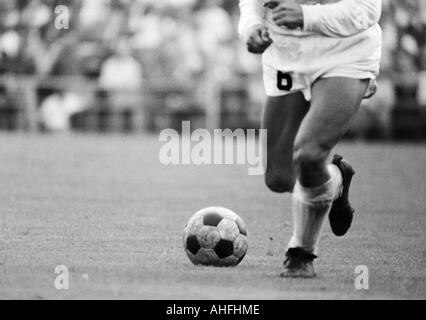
<point>158,104</point>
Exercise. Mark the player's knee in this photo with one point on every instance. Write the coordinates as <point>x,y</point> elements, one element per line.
<point>309,156</point>
<point>278,184</point>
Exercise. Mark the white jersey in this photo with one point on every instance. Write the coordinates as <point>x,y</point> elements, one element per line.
<point>332,18</point>
<point>340,38</point>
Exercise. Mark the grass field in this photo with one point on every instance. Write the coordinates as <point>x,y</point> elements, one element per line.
<point>105,207</point>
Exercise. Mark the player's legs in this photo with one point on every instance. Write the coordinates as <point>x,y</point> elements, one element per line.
<point>282,118</point>
<point>335,102</point>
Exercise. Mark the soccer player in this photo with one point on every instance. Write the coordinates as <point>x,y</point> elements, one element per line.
<point>320,60</point>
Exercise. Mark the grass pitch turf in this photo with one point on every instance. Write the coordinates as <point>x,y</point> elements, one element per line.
<point>105,207</point>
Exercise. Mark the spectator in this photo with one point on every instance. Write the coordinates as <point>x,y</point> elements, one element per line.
<point>121,76</point>
<point>121,71</point>
<point>57,109</point>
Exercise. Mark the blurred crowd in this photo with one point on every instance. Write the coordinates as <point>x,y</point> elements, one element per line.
<point>402,83</point>
<point>404,43</point>
<point>169,38</point>
<point>121,43</point>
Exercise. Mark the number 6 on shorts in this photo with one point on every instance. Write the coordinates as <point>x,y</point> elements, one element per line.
<point>284,81</point>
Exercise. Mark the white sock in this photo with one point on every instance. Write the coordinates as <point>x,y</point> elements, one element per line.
<point>310,208</point>
<point>336,177</point>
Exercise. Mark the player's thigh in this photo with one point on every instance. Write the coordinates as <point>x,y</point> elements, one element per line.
<point>282,118</point>
<point>335,102</point>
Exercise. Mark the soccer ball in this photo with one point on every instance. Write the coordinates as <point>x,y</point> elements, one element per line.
<point>216,237</point>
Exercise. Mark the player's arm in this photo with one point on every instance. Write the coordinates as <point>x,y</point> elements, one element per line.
<point>342,19</point>
<point>251,27</point>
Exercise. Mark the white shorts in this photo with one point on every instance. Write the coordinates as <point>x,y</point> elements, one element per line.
<point>292,64</point>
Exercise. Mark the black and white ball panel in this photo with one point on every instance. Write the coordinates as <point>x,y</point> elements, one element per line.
<point>216,237</point>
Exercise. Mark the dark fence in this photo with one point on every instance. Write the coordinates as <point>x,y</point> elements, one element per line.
<point>162,103</point>
<point>159,104</point>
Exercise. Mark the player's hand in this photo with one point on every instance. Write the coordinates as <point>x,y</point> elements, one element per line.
<point>372,89</point>
<point>259,40</point>
<point>286,13</point>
